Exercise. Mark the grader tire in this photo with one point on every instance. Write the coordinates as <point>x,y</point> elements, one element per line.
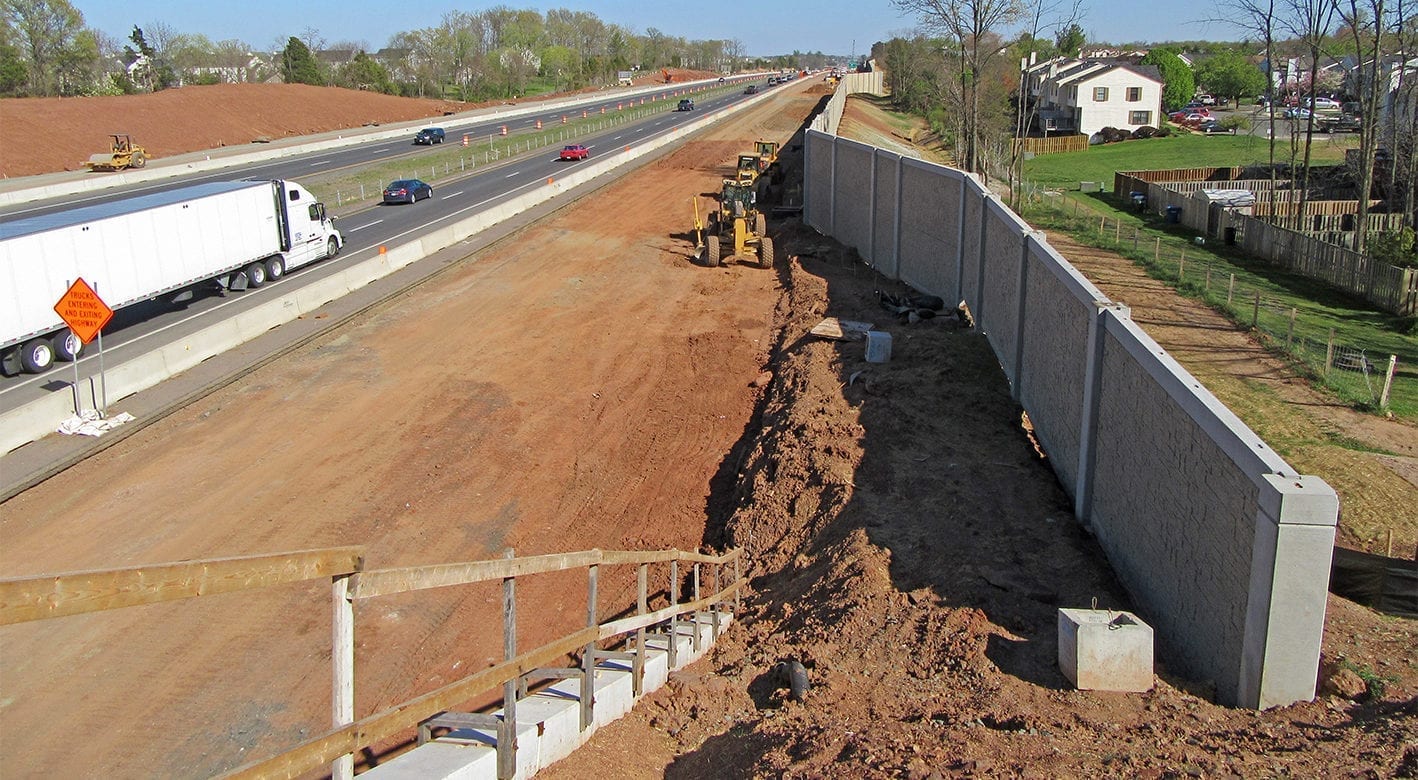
<point>760,225</point>
<point>711,254</point>
<point>765,253</point>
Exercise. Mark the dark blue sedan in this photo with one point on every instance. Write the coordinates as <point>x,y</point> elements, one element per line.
<point>407,191</point>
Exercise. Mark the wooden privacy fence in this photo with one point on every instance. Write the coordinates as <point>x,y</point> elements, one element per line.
<point>1055,145</point>
<point>41,597</point>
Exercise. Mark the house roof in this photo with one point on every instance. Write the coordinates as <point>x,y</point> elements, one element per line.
<point>1140,71</point>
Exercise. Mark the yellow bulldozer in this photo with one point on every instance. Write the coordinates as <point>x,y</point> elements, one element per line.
<point>737,228</point>
<point>123,153</point>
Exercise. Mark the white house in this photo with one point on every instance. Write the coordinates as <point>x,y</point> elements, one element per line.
<point>1085,96</point>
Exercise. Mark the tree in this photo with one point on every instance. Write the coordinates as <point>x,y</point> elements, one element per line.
<point>1070,40</point>
<point>50,35</point>
<point>363,72</point>
<point>298,65</point>
<point>1228,76</point>
<point>13,73</point>
<point>973,26</point>
<point>1179,85</point>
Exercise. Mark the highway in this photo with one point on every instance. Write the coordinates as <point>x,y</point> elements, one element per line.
<point>148,326</point>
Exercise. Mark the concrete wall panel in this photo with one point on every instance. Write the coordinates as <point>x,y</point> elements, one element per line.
<point>852,215</point>
<point>1059,305</point>
<point>885,197</point>
<point>998,311</point>
<point>928,232</point>
<point>975,198</point>
<point>817,184</point>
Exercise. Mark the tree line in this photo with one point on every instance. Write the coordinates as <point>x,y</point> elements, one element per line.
<point>46,50</point>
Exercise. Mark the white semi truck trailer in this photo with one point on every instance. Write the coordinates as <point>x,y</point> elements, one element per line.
<point>236,235</point>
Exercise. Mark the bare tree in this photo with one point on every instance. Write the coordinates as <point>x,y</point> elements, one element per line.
<point>974,26</point>
<point>1365,21</point>
<point>1311,21</point>
<point>1260,18</point>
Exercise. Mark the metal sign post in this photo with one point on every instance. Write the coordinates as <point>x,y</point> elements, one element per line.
<point>85,313</point>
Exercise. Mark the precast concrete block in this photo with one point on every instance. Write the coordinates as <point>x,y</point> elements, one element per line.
<point>1103,650</point>
<point>450,760</point>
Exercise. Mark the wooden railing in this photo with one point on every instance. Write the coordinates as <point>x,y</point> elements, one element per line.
<point>58,595</point>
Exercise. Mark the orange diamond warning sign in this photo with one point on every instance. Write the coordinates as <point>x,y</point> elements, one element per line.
<point>83,311</point>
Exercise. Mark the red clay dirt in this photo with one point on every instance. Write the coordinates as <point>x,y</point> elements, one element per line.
<point>47,135</point>
<point>583,384</point>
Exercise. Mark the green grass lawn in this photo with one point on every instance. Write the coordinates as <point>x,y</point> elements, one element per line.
<point>1185,150</point>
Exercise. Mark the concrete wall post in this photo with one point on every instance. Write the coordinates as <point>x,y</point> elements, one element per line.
<point>1088,425</point>
<point>1022,311</point>
<point>1290,561</point>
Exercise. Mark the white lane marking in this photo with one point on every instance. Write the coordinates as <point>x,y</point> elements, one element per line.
<point>617,138</point>
<point>318,164</point>
<point>362,227</point>
<point>451,195</point>
<point>510,175</point>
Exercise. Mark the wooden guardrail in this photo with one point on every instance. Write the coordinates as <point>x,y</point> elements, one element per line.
<point>25,599</point>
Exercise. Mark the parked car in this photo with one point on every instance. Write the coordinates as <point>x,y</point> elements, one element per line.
<point>1206,100</point>
<point>429,135</point>
<point>1322,104</point>
<point>1295,112</point>
<point>1344,123</point>
<point>751,89</point>
<point>574,152</point>
<point>686,105</point>
<point>1210,126</point>
<point>407,191</point>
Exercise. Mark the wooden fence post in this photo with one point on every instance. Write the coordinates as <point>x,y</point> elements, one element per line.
<point>588,656</point>
<point>1157,250</point>
<point>507,729</point>
<point>1255,311</point>
<point>1388,381</point>
<point>694,618</point>
<point>1230,288</point>
<point>714,608</point>
<point>642,605</point>
<point>674,623</point>
<point>342,666</point>
<point>1290,332</point>
<point>1329,353</point>
<point>1181,270</point>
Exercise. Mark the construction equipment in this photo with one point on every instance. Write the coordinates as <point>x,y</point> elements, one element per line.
<point>739,226</point>
<point>122,154</point>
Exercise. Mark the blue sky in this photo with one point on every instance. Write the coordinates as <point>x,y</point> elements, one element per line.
<point>766,27</point>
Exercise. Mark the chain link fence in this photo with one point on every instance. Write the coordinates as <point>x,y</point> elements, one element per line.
<point>1362,375</point>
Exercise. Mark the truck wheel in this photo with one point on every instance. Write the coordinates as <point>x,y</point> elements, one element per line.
<point>37,356</point>
<point>765,253</point>
<point>275,268</point>
<point>255,275</point>
<point>711,255</point>
<point>67,347</point>
<point>332,247</point>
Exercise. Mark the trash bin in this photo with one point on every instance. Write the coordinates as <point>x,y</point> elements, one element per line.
<point>1139,200</point>
<point>1174,214</point>
<point>1230,236</point>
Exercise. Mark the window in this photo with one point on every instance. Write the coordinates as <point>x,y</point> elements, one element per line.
<point>1134,94</point>
<point>1073,93</point>
<point>1100,94</point>
<point>1139,117</point>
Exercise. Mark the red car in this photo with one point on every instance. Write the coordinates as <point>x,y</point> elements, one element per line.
<point>575,152</point>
